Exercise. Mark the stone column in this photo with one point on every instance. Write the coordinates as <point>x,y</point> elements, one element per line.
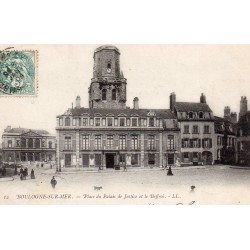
<point>77,148</point>
<point>160,151</point>
<point>142,150</point>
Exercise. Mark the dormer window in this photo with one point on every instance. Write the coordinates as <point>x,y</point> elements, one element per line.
<point>201,115</point>
<point>190,115</point>
<point>151,122</point>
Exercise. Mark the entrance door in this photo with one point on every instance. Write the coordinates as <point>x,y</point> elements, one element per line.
<point>110,160</point>
<point>68,160</point>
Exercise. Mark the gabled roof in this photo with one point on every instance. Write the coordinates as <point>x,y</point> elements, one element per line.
<point>192,106</point>
<point>159,113</point>
<point>26,130</point>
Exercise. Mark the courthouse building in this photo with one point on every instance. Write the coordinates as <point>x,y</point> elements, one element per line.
<point>108,133</point>
<point>21,144</point>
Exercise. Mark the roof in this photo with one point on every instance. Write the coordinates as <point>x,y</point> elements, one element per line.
<point>222,125</point>
<point>159,113</point>
<point>107,47</point>
<point>25,130</point>
<point>192,106</point>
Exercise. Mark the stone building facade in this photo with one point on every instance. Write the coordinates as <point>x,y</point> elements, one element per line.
<point>21,144</point>
<point>108,134</point>
<point>196,121</point>
<point>243,134</point>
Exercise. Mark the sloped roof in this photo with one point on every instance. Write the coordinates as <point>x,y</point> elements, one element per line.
<point>25,130</point>
<point>222,125</point>
<point>191,106</point>
<point>160,113</point>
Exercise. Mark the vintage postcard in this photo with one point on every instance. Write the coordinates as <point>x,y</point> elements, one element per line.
<point>125,124</point>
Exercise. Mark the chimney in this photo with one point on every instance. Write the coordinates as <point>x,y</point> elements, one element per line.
<point>78,102</point>
<point>136,103</point>
<point>172,101</point>
<point>227,114</point>
<point>234,117</point>
<point>203,98</point>
<point>243,106</point>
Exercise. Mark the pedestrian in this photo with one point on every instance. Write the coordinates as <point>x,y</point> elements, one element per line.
<point>124,167</point>
<point>170,173</point>
<point>15,172</point>
<point>25,173</point>
<point>42,165</point>
<point>21,170</point>
<point>32,174</point>
<point>53,182</point>
<point>21,176</point>
<point>50,165</point>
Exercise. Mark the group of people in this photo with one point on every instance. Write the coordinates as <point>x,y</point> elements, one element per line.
<point>24,173</point>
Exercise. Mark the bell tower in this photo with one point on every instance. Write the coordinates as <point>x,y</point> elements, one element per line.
<point>108,86</point>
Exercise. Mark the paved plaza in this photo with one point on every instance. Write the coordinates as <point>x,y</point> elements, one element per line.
<point>217,184</point>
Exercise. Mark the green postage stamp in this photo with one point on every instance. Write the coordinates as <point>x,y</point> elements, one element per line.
<point>18,72</point>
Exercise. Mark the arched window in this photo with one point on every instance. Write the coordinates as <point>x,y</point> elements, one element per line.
<point>190,115</point>
<point>151,122</point>
<point>201,115</point>
<point>104,94</point>
<point>109,66</point>
<point>114,94</point>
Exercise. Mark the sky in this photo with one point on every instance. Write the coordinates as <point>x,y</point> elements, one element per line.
<point>221,72</point>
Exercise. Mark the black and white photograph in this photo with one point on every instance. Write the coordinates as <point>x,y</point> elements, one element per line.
<point>125,124</point>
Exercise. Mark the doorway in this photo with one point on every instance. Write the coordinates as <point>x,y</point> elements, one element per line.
<point>110,160</point>
<point>68,160</point>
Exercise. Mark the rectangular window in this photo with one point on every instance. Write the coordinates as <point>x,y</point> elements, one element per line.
<point>151,142</point>
<point>195,129</point>
<point>151,159</point>
<point>9,144</point>
<point>85,142</point>
<point>145,122</point>
<point>134,122</point>
<point>207,143</point>
<point>85,160</point>
<point>134,142</point>
<point>116,122</point>
<point>85,121</point>
<point>134,159</point>
<point>122,142</point>
<point>98,139</point>
<point>18,143</point>
<point>91,121</point>
<point>98,122</point>
<point>110,141</point>
<point>122,158</point>
<point>122,122</point>
<point>110,122</point>
<point>60,122</point>
<point>186,129</point>
<point>170,142</point>
<point>67,144</point>
<point>79,121</point>
<point>128,122</point>
<point>74,121</point>
<point>206,129</point>
<point>185,155</point>
<point>104,122</point>
<point>67,121</point>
